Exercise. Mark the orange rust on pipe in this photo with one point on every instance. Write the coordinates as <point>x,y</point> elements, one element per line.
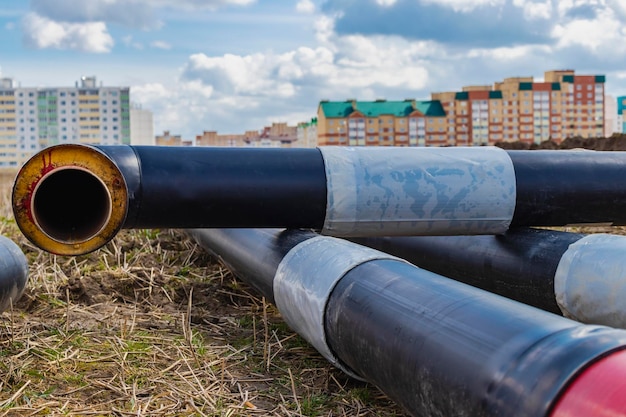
<point>70,199</point>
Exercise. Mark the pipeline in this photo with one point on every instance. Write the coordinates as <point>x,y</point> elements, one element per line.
<point>436,346</point>
<point>576,275</point>
<point>13,273</point>
<point>72,199</point>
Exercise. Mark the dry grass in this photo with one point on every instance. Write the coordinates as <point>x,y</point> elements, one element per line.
<point>152,326</point>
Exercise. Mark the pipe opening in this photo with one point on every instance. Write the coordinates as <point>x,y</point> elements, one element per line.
<point>71,205</point>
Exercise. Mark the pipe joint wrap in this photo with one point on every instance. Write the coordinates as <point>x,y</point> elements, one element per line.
<point>374,191</point>
<point>590,280</point>
<point>306,277</point>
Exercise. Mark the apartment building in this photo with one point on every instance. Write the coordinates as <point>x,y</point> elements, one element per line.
<point>381,122</point>
<point>518,108</point>
<point>169,139</point>
<point>621,114</point>
<point>141,126</point>
<point>306,134</point>
<point>32,118</point>
<point>277,135</point>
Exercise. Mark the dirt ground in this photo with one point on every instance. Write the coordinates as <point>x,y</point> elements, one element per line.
<point>150,325</point>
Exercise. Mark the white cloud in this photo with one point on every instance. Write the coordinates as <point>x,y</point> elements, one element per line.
<point>508,54</point>
<point>465,5</point>
<point>254,75</point>
<point>305,6</point>
<point>535,10</point>
<point>131,13</point>
<point>40,32</point>
<point>386,3</point>
<point>161,45</point>
<point>603,35</point>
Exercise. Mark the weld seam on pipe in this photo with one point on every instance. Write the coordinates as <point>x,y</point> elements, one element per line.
<point>590,279</point>
<point>305,279</point>
<point>392,191</point>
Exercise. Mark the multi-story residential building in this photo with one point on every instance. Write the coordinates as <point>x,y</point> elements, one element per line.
<point>168,139</point>
<point>32,118</point>
<point>621,114</point>
<point>381,122</point>
<point>141,126</point>
<point>518,108</point>
<point>275,136</point>
<point>306,134</point>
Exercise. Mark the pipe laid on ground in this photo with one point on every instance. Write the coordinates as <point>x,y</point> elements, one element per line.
<point>13,273</point>
<point>72,199</point>
<point>434,345</point>
<point>580,276</point>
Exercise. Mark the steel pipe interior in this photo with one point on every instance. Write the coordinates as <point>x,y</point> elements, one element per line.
<point>71,205</point>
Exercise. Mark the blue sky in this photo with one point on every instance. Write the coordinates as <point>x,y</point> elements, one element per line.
<point>236,65</point>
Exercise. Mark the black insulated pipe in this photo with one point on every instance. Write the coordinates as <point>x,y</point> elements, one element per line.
<point>519,264</point>
<point>559,188</point>
<point>436,346</point>
<point>13,273</point>
<point>346,192</point>
<point>576,275</point>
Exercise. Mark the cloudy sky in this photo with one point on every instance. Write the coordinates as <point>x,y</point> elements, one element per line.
<point>234,65</point>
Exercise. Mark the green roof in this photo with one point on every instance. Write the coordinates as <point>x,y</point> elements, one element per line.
<point>336,108</point>
<point>495,94</point>
<point>568,78</point>
<point>600,78</point>
<point>462,95</point>
<point>430,108</point>
<point>556,86</point>
<point>379,108</point>
<point>341,109</point>
<point>525,86</point>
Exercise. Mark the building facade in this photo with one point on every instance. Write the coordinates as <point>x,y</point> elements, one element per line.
<point>141,126</point>
<point>516,109</point>
<point>621,114</point>
<point>33,118</point>
<point>277,135</point>
<point>306,134</point>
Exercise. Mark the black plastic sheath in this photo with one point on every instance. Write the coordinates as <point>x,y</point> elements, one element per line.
<point>519,264</point>
<point>251,254</point>
<point>442,348</point>
<point>436,346</point>
<point>556,188</point>
<point>187,187</point>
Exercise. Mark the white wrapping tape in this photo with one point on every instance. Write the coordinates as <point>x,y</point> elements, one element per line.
<point>305,279</point>
<point>418,191</point>
<point>590,280</point>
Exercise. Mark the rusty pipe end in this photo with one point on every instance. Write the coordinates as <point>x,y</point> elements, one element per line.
<point>70,199</point>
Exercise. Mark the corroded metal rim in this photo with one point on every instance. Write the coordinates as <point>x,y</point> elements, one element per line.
<point>69,158</point>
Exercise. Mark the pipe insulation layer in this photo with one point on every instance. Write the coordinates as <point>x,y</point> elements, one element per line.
<point>13,273</point>
<point>582,277</point>
<point>341,191</point>
<point>434,345</point>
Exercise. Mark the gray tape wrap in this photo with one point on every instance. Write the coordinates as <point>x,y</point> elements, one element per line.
<point>305,279</point>
<point>590,280</point>
<point>412,191</point>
